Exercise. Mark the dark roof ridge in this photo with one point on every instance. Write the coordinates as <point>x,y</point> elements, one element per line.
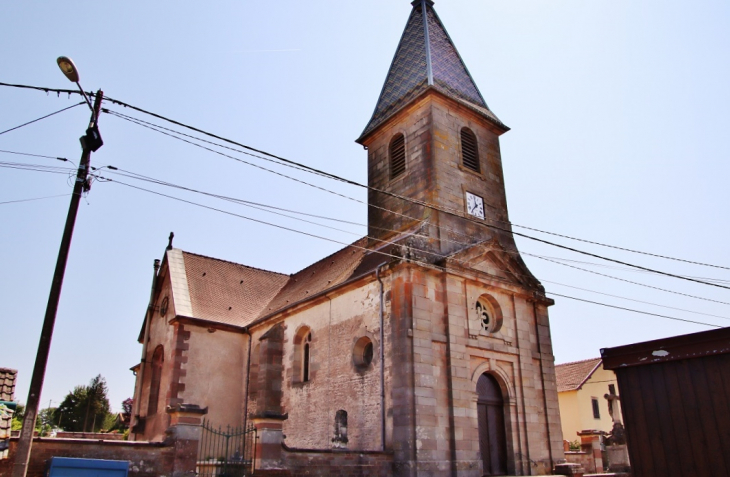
<point>234,263</point>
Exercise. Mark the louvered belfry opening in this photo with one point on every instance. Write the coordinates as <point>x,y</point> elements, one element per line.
<point>469,150</point>
<point>397,156</point>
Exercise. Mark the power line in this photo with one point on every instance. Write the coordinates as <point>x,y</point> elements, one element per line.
<point>613,267</point>
<point>35,155</point>
<point>42,117</point>
<point>324,189</point>
<point>621,248</point>
<point>35,198</point>
<point>635,311</point>
<point>637,301</point>
<point>632,282</point>
<point>260,206</point>
<point>422,203</point>
<point>415,201</point>
<point>380,252</point>
<point>35,167</point>
<point>398,257</point>
<point>46,90</point>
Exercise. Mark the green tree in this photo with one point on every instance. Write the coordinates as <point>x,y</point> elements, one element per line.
<point>85,408</point>
<point>17,422</point>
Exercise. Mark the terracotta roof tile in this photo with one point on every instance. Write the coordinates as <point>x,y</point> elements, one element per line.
<point>229,293</point>
<point>571,376</point>
<point>320,276</point>
<point>234,294</point>
<point>7,383</point>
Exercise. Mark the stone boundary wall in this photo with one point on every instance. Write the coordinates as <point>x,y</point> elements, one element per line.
<point>341,463</point>
<point>584,458</point>
<point>146,459</point>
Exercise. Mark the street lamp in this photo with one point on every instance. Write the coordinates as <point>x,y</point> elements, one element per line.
<point>68,68</point>
<point>89,143</point>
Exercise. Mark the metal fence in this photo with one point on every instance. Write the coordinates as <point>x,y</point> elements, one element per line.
<point>226,452</point>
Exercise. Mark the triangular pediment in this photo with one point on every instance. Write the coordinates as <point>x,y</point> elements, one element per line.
<point>492,259</point>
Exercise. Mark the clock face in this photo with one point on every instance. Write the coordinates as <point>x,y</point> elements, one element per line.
<point>474,205</point>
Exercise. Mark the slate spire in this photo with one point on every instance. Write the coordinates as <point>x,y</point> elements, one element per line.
<point>426,58</point>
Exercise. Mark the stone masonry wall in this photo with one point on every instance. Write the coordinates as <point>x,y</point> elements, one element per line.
<point>338,463</point>
<point>414,122</point>
<point>145,459</point>
<point>444,356</point>
<point>214,374</point>
<point>336,382</point>
<point>161,334</point>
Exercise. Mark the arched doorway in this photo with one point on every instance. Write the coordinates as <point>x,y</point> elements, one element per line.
<point>492,435</point>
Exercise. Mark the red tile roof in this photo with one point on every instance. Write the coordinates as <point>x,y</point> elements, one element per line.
<point>229,293</point>
<point>571,376</point>
<point>327,273</point>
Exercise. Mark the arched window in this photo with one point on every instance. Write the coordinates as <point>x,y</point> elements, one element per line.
<point>340,438</point>
<point>302,369</point>
<point>469,150</point>
<point>397,152</point>
<point>157,360</point>
<point>305,357</point>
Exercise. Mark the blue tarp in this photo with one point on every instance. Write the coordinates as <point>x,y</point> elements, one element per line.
<point>72,467</point>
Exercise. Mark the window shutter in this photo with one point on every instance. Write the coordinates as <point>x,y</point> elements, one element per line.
<point>469,150</point>
<point>397,156</point>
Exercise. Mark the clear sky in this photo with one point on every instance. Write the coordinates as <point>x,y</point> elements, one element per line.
<point>619,121</point>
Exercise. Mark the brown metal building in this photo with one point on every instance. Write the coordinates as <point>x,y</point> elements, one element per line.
<point>675,399</point>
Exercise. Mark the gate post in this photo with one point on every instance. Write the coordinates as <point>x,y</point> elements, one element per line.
<point>184,435</point>
<point>269,437</point>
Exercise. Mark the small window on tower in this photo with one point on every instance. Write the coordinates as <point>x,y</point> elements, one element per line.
<point>469,150</point>
<point>397,152</point>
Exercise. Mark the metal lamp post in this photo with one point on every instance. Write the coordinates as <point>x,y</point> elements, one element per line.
<point>89,143</point>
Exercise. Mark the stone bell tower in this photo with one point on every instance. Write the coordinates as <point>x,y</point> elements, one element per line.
<point>468,346</point>
<point>433,138</point>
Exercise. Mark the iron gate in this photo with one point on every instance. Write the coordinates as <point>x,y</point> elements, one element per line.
<point>226,452</point>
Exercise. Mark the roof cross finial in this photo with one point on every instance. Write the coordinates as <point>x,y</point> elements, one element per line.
<point>169,240</point>
<point>415,3</point>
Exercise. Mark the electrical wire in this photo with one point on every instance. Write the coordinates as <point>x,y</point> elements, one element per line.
<point>635,300</point>
<point>635,311</point>
<point>263,222</point>
<point>415,201</point>
<point>35,198</point>
<point>620,248</point>
<point>335,177</point>
<point>612,267</point>
<point>35,167</point>
<point>380,252</point>
<point>35,155</point>
<point>42,117</point>
<point>632,282</point>
<point>419,202</point>
<point>263,207</point>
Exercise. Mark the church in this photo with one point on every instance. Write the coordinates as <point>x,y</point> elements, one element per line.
<point>423,348</point>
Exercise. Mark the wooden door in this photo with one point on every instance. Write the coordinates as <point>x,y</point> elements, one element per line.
<point>492,436</point>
